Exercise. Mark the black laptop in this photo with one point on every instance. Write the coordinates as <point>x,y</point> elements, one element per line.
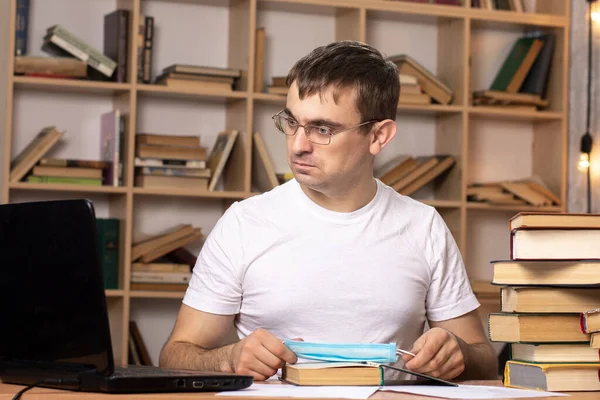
<point>54,328</point>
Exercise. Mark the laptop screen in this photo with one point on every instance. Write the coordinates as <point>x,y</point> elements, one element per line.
<point>51,289</point>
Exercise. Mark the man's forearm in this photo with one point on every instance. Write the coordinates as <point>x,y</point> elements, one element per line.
<point>183,355</point>
<point>481,362</point>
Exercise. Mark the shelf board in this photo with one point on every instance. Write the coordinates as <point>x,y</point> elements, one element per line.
<point>516,208</point>
<point>429,109</point>
<point>442,203</point>
<point>482,112</point>
<point>70,85</point>
<point>65,187</point>
<point>483,18</point>
<point>164,91</point>
<point>190,193</point>
<point>114,293</point>
<point>152,294</point>
<point>269,98</point>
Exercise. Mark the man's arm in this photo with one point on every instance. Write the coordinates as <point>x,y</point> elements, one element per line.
<point>455,348</point>
<point>199,342</point>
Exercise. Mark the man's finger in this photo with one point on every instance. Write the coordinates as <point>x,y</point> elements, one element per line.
<point>260,367</point>
<point>425,354</point>
<point>281,350</point>
<point>437,362</point>
<point>268,358</point>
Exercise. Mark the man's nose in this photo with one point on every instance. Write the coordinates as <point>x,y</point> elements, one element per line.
<point>300,142</point>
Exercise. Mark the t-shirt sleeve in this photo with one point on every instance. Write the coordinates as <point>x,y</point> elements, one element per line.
<point>216,284</point>
<point>450,294</point>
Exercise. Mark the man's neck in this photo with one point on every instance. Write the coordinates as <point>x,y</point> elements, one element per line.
<point>350,199</point>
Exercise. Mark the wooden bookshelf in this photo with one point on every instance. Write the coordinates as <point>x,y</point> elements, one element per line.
<point>488,142</point>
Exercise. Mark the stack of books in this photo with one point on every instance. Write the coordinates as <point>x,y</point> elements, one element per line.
<point>161,262</point>
<point>170,161</point>
<point>411,174</point>
<point>411,91</point>
<point>50,67</point>
<point>527,191</point>
<point>31,166</point>
<point>179,76</point>
<point>278,85</point>
<point>429,83</point>
<point>550,280</point>
<point>522,80</point>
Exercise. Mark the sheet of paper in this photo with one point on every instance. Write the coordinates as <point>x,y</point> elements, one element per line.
<point>471,392</point>
<point>283,390</point>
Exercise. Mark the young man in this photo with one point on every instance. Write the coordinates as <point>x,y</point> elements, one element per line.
<point>333,255</point>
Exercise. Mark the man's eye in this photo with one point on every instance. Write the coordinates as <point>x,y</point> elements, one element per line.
<point>291,123</point>
<point>324,130</point>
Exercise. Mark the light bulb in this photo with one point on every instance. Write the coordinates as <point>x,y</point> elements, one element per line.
<point>584,161</point>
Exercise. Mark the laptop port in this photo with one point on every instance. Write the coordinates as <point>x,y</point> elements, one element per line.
<point>226,382</point>
<point>180,383</point>
<point>215,384</point>
<point>197,384</point>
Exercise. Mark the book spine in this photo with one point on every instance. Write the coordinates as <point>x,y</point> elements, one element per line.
<point>140,49</point>
<point>123,34</point>
<point>108,244</point>
<point>21,27</point>
<point>148,42</point>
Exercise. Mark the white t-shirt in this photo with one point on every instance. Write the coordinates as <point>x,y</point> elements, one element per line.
<point>281,262</point>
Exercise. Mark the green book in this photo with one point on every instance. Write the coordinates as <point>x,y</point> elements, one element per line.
<point>108,246</point>
<point>512,63</point>
<point>64,179</point>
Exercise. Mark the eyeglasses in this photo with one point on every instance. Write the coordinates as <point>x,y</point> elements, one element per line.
<point>318,134</point>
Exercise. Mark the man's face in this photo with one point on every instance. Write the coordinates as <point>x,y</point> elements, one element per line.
<point>338,164</point>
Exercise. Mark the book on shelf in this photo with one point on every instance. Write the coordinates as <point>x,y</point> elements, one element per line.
<point>259,59</point>
<point>427,170</point>
<point>196,84</point>
<point>51,66</point>
<point>182,255</point>
<point>543,299</point>
<point>71,162</point>
<point>147,48</point>
<point>159,287</point>
<point>526,191</point>
<point>168,171</point>
<point>71,172</point>
<point>536,328</point>
<point>161,276</point>
<point>552,376</point>
<point>113,126</point>
<point>160,267</point>
<point>219,155</point>
<point>172,234</point>
<point>430,84</point>
<point>115,42</point>
<point>32,153</point>
<point>108,230</point>
<point>546,272</point>
<point>168,247</point>
<point>64,180</point>
<point>332,374</point>
<point>170,152</point>
<point>188,183</point>
<point>590,318</point>
<point>529,101</point>
<point>21,27</point>
<point>263,173</point>
<point>203,70</point>
<point>167,140</point>
<point>517,64</point>
<point>280,90</point>
<point>407,98</point>
<point>554,353</point>
<point>438,171</point>
<point>59,41</point>
<point>168,162</point>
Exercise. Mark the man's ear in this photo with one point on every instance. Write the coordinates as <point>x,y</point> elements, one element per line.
<point>382,133</point>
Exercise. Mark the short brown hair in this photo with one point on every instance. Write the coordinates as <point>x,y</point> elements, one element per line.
<point>350,64</point>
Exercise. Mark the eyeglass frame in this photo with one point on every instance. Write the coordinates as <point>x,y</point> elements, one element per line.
<point>330,135</point>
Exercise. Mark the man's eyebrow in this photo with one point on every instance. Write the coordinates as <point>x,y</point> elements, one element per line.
<point>318,121</point>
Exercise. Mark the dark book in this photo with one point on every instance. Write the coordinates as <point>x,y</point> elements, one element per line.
<point>139,344</point>
<point>536,81</point>
<point>147,57</point>
<point>108,245</point>
<point>116,33</point>
<point>521,55</point>
<point>182,255</point>
<point>21,27</point>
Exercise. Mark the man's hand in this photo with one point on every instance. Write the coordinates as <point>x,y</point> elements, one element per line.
<point>438,353</point>
<point>260,354</point>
